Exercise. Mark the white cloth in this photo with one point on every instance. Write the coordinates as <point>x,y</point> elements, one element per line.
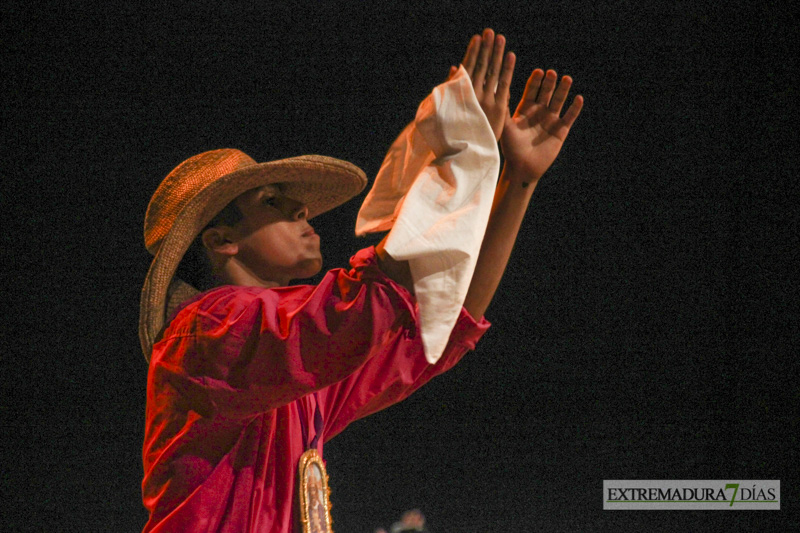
<point>434,192</point>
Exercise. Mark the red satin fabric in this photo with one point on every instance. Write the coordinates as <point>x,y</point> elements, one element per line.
<point>233,374</point>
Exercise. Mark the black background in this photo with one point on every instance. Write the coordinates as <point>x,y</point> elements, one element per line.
<point>647,326</point>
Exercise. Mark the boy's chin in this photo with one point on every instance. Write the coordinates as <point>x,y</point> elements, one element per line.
<point>308,268</point>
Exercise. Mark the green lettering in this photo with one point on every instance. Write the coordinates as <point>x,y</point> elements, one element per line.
<point>735,487</point>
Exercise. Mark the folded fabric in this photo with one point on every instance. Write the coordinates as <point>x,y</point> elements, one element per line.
<point>434,192</point>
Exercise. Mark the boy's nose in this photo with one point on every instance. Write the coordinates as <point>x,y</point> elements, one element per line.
<point>296,210</point>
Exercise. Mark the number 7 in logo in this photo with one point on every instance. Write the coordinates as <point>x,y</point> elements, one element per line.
<point>735,487</point>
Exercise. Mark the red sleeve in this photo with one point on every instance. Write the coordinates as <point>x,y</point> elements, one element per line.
<point>237,351</point>
<point>393,375</point>
<point>398,367</point>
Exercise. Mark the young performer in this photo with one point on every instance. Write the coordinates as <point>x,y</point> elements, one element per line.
<point>249,378</point>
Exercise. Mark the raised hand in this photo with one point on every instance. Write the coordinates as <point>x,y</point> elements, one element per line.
<point>530,140</point>
<point>533,137</point>
<point>491,73</point>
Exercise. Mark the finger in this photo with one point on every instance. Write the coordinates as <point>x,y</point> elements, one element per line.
<point>560,96</point>
<point>506,75</point>
<point>493,72</point>
<point>574,110</point>
<point>452,73</point>
<point>548,84</point>
<point>471,55</point>
<point>508,123</point>
<point>531,91</point>
<point>487,43</point>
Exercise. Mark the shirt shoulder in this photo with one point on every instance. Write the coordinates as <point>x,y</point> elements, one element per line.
<point>231,301</point>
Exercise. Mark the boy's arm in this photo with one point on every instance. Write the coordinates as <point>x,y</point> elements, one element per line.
<point>530,140</point>
<point>491,73</point>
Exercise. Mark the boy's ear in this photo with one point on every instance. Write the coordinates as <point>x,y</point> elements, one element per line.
<point>220,240</point>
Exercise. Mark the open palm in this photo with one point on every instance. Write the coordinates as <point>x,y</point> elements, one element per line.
<point>533,137</point>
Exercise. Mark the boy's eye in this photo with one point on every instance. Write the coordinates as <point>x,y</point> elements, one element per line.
<point>270,200</point>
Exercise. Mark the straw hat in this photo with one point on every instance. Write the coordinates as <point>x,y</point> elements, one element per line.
<point>199,188</point>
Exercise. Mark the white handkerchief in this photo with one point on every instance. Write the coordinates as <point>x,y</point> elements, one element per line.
<point>434,192</point>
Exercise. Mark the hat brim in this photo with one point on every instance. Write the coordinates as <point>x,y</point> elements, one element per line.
<point>320,182</point>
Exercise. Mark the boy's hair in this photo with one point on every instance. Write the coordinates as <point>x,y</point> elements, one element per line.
<point>195,268</point>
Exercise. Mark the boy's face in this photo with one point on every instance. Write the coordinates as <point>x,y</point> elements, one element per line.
<point>275,241</point>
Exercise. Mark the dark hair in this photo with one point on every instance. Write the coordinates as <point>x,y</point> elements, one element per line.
<point>195,268</point>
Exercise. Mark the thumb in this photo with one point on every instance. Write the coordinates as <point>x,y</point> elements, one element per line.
<point>452,73</point>
<point>508,120</point>
<point>505,137</point>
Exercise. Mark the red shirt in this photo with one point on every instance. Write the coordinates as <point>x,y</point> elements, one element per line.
<point>235,371</point>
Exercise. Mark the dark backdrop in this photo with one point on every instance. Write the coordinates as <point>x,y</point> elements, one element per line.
<point>647,326</point>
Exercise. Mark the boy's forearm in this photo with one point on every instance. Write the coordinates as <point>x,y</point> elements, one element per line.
<point>508,209</point>
<point>510,203</point>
